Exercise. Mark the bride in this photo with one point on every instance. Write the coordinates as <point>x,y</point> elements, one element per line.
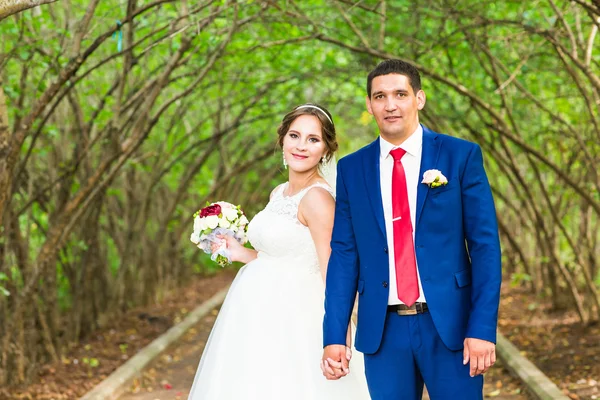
<point>267,341</point>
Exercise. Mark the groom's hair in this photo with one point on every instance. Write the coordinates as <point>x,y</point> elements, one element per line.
<point>400,67</point>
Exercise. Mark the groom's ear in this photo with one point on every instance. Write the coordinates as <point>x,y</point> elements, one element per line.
<point>421,99</point>
<point>368,102</point>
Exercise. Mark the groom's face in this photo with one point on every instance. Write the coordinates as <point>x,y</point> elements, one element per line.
<point>395,106</point>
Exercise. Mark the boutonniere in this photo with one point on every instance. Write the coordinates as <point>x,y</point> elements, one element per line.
<point>434,178</point>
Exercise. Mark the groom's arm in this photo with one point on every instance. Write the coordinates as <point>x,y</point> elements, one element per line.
<point>483,243</point>
<point>342,270</point>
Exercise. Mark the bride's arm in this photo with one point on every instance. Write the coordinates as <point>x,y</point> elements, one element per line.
<point>316,210</point>
<point>237,252</point>
<point>245,256</point>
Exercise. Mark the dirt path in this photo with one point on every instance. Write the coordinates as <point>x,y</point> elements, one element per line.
<point>172,374</point>
<point>116,342</point>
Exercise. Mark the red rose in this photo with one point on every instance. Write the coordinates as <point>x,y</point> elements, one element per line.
<point>214,209</point>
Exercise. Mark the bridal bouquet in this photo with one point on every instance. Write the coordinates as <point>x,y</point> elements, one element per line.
<point>220,218</point>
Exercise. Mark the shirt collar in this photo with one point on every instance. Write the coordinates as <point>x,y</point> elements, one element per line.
<point>412,145</point>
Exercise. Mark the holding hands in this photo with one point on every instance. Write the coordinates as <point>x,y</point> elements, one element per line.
<point>335,361</point>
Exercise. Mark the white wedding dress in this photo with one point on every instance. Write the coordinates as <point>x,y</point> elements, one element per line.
<point>267,341</point>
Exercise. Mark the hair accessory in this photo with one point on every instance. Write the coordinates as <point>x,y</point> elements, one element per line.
<point>316,108</point>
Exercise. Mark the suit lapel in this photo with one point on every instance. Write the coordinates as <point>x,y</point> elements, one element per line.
<point>372,181</point>
<point>429,157</point>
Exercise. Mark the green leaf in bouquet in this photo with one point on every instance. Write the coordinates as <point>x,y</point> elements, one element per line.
<point>222,261</point>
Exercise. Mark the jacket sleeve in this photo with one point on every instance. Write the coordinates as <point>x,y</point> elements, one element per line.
<point>342,270</point>
<point>483,243</point>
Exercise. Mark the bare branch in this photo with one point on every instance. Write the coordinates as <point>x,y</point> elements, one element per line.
<point>357,4</point>
<point>356,31</point>
<point>82,27</point>
<point>512,76</point>
<point>590,44</point>
<point>561,17</point>
<point>382,21</point>
<point>587,6</point>
<point>11,7</point>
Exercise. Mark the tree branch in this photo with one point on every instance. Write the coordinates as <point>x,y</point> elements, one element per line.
<point>11,7</point>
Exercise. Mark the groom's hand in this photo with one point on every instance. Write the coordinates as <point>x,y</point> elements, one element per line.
<point>481,353</point>
<point>334,363</point>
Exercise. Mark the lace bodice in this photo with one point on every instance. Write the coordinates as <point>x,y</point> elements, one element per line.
<point>276,232</point>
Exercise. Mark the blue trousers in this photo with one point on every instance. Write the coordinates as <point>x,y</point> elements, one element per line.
<point>412,354</point>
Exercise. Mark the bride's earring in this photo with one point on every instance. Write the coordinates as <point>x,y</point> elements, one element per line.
<point>284,161</point>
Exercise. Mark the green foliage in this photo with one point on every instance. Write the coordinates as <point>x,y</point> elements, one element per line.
<point>517,279</point>
<point>91,362</point>
<point>3,290</point>
<point>489,72</point>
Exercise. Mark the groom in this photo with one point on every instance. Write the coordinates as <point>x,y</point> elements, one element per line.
<point>415,234</point>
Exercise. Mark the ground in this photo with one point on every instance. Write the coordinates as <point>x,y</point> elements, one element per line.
<point>561,347</point>
<point>116,343</point>
<point>171,375</point>
<point>565,350</point>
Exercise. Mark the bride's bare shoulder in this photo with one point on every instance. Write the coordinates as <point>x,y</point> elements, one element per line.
<point>317,203</point>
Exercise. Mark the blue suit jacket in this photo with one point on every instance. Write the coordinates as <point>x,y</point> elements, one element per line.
<point>456,244</point>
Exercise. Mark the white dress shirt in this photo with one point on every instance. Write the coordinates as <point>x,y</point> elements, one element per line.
<point>412,166</point>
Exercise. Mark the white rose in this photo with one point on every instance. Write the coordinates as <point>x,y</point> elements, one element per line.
<point>197,224</point>
<point>229,213</point>
<point>195,238</point>
<point>212,221</point>
<point>243,220</point>
<point>223,223</point>
<point>430,175</point>
<point>225,205</point>
<point>203,224</point>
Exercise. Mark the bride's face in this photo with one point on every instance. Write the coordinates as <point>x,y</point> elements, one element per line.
<point>303,145</point>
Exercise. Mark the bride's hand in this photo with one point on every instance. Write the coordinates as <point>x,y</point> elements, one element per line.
<point>234,247</point>
<point>348,354</point>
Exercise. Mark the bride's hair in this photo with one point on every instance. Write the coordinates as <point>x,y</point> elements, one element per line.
<point>327,126</point>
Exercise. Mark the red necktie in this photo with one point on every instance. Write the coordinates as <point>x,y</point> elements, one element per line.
<point>404,249</point>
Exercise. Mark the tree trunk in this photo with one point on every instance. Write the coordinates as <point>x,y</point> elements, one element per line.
<point>5,151</point>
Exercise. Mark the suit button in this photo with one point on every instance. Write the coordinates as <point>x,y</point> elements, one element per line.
<point>385,250</point>
<point>385,284</point>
